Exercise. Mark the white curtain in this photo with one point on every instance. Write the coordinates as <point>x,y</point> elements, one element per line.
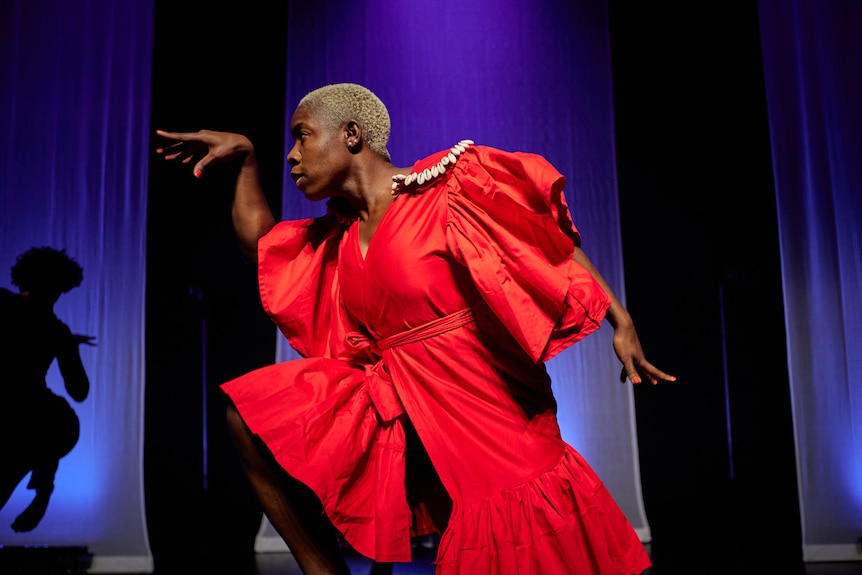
<point>74,115</point>
<point>812,55</point>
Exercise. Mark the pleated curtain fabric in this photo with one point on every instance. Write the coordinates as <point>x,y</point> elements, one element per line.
<point>812,55</point>
<point>74,116</point>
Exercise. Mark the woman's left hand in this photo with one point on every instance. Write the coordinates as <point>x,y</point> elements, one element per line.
<point>636,368</point>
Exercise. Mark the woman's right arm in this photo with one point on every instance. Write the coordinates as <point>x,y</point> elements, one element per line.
<point>252,216</point>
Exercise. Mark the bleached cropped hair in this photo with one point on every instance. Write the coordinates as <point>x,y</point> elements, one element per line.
<point>337,103</point>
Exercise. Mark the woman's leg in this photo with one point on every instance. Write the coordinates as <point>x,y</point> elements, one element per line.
<point>293,509</point>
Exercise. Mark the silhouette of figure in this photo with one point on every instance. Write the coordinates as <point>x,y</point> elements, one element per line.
<point>37,426</point>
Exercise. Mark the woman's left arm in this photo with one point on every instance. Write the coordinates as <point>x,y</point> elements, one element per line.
<point>627,345</point>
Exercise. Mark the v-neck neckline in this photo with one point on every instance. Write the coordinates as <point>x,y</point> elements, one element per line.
<point>363,257</point>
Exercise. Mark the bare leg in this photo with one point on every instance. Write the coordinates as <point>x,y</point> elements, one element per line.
<point>293,509</point>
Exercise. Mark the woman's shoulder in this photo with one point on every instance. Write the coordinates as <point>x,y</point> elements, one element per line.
<point>464,157</point>
<point>430,170</point>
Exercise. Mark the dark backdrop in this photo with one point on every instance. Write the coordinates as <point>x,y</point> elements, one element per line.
<point>699,228</point>
<point>205,323</point>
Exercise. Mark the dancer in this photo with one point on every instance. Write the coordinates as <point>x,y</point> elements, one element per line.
<point>424,304</point>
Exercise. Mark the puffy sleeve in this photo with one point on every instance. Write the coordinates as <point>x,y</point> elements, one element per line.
<point>509,224</point>
<point>297,277</point>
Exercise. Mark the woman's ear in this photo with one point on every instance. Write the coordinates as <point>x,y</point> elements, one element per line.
<point>353,135</point>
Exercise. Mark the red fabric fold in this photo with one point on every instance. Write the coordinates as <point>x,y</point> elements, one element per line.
<point>534,527</point>
<point>509,224</point>
<point>317,417</point>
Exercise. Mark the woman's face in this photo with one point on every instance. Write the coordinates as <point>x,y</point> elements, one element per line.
<point>319,158</point>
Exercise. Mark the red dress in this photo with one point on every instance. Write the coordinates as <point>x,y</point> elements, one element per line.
<point>468,286</point>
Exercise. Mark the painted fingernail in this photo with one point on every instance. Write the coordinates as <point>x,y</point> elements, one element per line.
<point>198,173</point>
<point>636,379</point>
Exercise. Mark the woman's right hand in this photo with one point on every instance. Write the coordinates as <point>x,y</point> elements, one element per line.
<point>205,147</point>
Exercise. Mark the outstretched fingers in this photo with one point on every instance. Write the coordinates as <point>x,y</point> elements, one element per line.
<point>205,147</point>
<point>188,147</point>
<point>645,371</point>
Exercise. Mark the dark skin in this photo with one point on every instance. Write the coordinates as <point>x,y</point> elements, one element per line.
<point>327,163</point>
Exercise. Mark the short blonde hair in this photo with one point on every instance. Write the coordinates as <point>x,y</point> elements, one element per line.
<point>338,103</point>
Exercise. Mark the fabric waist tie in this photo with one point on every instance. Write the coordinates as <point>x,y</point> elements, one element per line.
<point>378,381</point>
<point>427,330</point>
